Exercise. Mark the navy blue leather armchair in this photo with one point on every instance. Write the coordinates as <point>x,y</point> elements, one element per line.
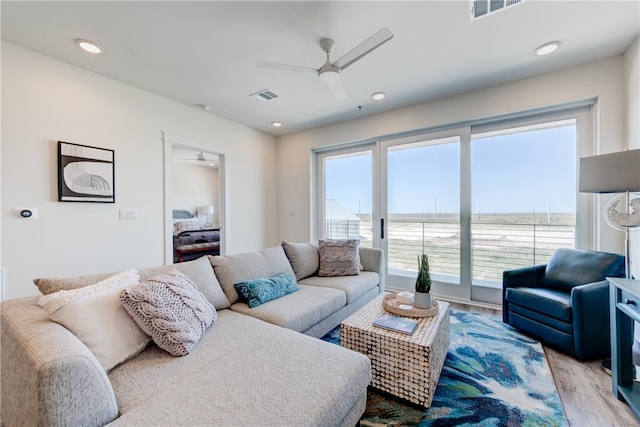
<point>565,303</point>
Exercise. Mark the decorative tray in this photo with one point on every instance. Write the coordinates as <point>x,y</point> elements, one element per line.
<point>389,303</point>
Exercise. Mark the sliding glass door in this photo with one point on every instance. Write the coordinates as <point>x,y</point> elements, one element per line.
<point>477,199</point>
<point>421,186</point>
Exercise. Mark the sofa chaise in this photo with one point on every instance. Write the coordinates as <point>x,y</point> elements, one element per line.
<point>252,366</point>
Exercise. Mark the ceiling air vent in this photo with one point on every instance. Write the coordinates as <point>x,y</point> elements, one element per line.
<point>263,95</point>
<point>481,8</point>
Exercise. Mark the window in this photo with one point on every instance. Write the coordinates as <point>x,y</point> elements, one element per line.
<point>347,196</point>
<point>477,199</point>
<point>523,184</point>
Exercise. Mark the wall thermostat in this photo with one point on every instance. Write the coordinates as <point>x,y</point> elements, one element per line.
<point>27,213</point>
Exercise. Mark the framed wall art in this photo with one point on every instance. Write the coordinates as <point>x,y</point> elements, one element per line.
<point>85,174</point>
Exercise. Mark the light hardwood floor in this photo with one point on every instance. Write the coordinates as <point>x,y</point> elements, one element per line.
<point>584,388</point>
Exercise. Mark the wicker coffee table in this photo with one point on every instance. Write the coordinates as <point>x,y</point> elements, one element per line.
<point>406,366</point>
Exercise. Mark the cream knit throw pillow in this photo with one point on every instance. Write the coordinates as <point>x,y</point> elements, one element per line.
<point>171,309</point>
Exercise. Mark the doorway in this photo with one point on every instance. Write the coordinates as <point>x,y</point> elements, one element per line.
<point>194,200</point>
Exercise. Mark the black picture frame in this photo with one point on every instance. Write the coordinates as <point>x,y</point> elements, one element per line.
<point>85,173</point>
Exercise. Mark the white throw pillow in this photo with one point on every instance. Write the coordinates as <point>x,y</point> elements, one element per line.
<point>182,225</point>
<point>96,316</point>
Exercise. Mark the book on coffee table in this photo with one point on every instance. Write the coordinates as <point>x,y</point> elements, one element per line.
<point>396,323</point>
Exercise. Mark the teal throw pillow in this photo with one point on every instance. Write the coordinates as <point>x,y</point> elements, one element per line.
<point>258,291</point>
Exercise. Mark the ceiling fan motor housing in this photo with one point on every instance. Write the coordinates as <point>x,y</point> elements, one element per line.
<point>328,73</point>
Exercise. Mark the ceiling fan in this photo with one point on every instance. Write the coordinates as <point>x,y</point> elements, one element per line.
<point>329,73</point>
<point>200,158</point>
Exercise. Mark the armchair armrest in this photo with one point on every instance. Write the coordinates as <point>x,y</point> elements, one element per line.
<point>527,277</point>
<point>590,317</point>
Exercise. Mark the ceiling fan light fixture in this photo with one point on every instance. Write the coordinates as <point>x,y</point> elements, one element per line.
<point>378,96</point>
<point>328,76</point>
<point>547,48</point>
<point>89,46</point>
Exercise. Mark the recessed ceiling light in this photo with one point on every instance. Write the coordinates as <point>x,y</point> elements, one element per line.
<point>276,124</point>
<point>378,96</point>
<point>547,48</point>
<point>88,46</point>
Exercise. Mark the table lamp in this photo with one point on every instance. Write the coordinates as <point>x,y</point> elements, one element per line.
<point>615,173</point>
<point>208,211</point>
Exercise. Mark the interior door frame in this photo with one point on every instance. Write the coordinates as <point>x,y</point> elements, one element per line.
<point>170,141</point>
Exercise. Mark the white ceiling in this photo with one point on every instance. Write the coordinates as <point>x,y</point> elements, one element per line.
<point>205,52</point>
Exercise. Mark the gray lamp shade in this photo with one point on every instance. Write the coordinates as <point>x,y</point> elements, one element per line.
<point>610,173</point>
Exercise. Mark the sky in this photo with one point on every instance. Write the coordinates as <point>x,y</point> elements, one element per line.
<point>514,173</point>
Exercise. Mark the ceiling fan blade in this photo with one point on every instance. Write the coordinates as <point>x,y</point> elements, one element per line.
<point>285,67</point>
<point>363,48</point>
<point>338,90</point>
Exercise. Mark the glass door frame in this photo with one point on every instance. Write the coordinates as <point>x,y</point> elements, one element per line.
<point>318,213</point>
<point>586,210</point>
<point>460,289</point>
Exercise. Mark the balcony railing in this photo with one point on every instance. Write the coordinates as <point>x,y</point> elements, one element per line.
<point>498,245</point>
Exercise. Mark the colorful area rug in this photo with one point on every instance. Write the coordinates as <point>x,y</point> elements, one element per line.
<point>492,376</point>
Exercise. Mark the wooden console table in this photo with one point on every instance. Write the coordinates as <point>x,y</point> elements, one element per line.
<point>624,300</point>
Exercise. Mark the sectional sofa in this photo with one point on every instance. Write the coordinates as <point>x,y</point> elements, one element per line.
<point>251,366</point>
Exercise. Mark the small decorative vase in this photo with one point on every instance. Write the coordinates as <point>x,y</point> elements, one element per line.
<point>422,300</point>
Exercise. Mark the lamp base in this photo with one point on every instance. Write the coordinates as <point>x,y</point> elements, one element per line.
<point>207,225</point>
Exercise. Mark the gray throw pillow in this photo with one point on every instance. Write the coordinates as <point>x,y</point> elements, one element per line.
<point>304,258</point>
<point>339,257</point>
<point>171,310</point>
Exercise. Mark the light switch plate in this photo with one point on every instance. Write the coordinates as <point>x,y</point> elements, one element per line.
<point>128,214</point>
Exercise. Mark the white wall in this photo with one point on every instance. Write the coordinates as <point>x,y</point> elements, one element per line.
<point>195,186</point>
<point>45,100</point>
<point>632,82</point>
<point>602,80</point>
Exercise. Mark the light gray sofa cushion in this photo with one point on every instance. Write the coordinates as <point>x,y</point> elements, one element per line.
<point>50,285</point>
<point>297,311</point>
<point>304,258</point>
<point>201,274</point>
<point>240,361</point>
<point>232,269</point>
<point>198,270</point>
<point>353,286</point>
